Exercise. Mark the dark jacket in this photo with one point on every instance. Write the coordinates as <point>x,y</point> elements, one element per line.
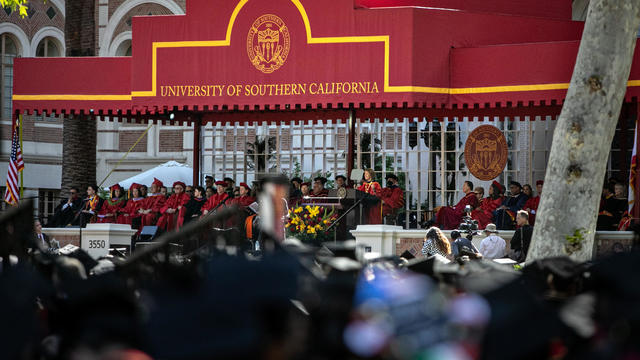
<point>522,239</point>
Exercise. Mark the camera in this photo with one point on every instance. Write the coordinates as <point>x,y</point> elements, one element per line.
<point>468,225</point>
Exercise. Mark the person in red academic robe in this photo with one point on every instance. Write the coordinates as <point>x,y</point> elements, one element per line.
<point>129,214</point>
<point>150,208</point>
<point>318,189</point>
<point>374,209</point>
<point>218,200</point>
<point>449,217</point>
<point>244,199</point>
<point>112,207</point>
<point>172,213</point>
<point>392,200</point>
<point>484,213</point>
<point>531,206</point>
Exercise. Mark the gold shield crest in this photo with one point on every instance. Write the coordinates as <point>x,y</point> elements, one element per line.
<point>268,43</point>
<point>485,152</point>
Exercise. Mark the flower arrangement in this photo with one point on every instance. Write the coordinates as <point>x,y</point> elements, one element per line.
<point>310,224</point>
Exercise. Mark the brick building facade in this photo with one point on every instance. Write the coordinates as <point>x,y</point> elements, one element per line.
<point>80,28</point>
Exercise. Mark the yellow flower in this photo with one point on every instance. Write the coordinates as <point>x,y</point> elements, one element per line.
<point>311,230</point>
<point>302,227</point>
<point>287,225</point>
<point>318,227</point>
<point>314,212</point>
<point>298,210</point>
<point>326,222</point>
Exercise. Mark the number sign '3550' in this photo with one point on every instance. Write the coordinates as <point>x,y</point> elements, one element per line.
<point>97,244</point>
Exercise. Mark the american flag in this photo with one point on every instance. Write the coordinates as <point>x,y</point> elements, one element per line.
<point>16,165</point>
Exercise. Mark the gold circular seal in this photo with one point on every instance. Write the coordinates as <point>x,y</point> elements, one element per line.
<point>486,152</point>
<point>268,43</point>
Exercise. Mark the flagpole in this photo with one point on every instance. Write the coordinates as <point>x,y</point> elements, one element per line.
<point>21,149</point>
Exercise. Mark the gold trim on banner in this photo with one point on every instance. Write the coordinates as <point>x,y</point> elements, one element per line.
<point>310,40</point>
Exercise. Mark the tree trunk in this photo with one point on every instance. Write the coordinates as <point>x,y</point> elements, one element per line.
<point>585,129</point>
<point>78,152</point>
<point>79,132</point>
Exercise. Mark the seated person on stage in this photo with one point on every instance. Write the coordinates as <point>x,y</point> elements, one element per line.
<point>172,213</point>
<point>90,207</point>
<point>484,213</point>
<point>195,204</point>
<point>612,207</point>
<point>164,191</point>
<point>479,190</point>
<point>450,217</point>
<point>112,207</point>
<point>305,189</point>
<point>150,208</point>
<point>392,200</point>
<point>531,206</point>
<point>66,211</point>
<point>218,200</point>
<point>209,191</point>
<point>340,182</point>
<point>143,189</point>
<point>371,187</point>
<point>505,215</point>
<point>130,214</point>
<point>296,182</point>
<point>318,187</point>
<point>244,199</point>
<point>208,181</point>
<point>231,186</point>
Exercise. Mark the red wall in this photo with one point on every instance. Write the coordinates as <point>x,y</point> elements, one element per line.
<point>557,9</point>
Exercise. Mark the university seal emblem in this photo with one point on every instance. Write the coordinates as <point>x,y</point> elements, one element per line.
<point>485,152</point>
<point>268,43</point>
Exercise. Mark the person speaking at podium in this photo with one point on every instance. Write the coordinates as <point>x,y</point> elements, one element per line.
<point>374,209</point>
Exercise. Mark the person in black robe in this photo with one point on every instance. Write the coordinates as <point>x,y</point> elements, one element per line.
<point>612,206</point>
<point>65,212</point>
<point>195,204</point>
<point>505,216</point>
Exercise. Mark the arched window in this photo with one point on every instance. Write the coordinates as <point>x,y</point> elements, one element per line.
<point>9,48</point>
<point>124,49</point>
<point>48,47</point>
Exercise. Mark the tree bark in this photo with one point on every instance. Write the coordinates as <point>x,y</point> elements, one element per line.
<point>585,129</point>
<point>78,152</point>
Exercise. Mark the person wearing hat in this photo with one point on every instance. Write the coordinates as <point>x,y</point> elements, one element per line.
<point>113,206</point>
<point>130,214</point>
<point>392,200</point>
<point>244,199</point>
<point>231,186</point>
<point>295,193</point>
<point>493,246</point>
<point>341,181</point>
<point>505,216</point>
<point>172,213</point>
<point>531,206</point>
<point>371,187</point>
<point>208,181</point>
<point>449,217</point>
<point>318,187</point>
<point>150,209</point>
<point>484,213</point>
<point>218,200</point>
<point>305,188</point>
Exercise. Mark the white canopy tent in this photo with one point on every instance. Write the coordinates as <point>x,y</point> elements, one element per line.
<point>168,173</point>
